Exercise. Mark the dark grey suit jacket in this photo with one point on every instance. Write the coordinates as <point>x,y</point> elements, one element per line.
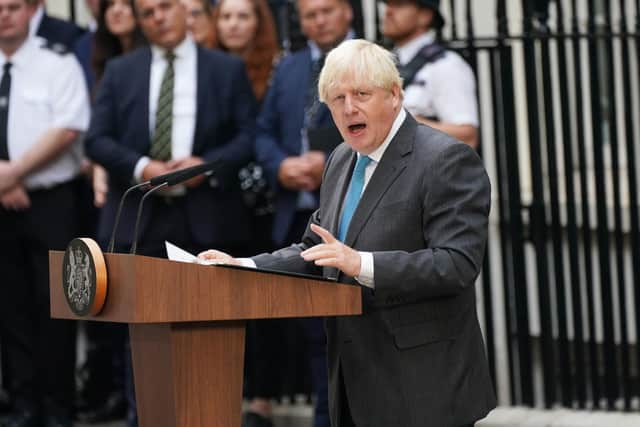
<point>416,356</point>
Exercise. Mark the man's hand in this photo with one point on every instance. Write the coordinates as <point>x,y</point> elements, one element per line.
<point>216,257</point>
<point>15,199</point>
<point>316,161</point>
<point>333,253</point>
<point>9,176</point>
<point>295,174</point>
<point>187,162</point>
<point>100,183</point>
<point>153,169</point>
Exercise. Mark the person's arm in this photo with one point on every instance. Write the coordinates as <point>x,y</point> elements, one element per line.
<point>454,99</point>
<point>455,207</point>
<point>238,149</point>
<point>101,143</point>
<point>69,116</point>
<point>50,145</point>
<point>465,133</point>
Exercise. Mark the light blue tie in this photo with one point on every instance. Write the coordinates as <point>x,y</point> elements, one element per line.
<point>353,195</point>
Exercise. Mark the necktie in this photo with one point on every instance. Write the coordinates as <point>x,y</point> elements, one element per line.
<point>313,103</point>
<point>161,140</point>
<point>353,195</point>
<point>5,89</point>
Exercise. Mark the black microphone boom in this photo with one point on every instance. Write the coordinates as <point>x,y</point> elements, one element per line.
<point>134,246</point>
<point>112,240</point>
<point>168,180</point>
<point>182,175</point>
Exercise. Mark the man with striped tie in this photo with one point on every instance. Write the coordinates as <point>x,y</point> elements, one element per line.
<point>165,107</point>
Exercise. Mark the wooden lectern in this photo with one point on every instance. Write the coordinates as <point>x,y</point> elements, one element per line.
<point>186,324</point>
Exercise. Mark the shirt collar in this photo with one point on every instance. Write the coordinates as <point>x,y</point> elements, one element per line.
<point>22,56</point>
<point>408,51</point>
<point>316,52</point>
<point>376,155</point>
<point>185,49</point>
<point>35,21</point>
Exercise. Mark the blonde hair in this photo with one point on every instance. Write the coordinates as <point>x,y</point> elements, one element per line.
<point>362,61</point>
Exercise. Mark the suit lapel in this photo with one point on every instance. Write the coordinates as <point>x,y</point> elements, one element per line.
<point>393,162</point>
<point>142,86</point>
<point>345,169</point>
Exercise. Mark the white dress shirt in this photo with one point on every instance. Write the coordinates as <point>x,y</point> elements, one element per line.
<point>47,91</point>
<point>445,88</point>
<point>185,67</point>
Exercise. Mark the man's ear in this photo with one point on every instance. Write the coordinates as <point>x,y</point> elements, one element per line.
<point>396,95</point>
<point>349,10</point>
<point>425,17</point>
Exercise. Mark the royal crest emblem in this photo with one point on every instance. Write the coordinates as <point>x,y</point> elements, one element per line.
<point>84,277</point>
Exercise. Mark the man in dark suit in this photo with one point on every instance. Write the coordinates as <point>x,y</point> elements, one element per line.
<point>211,118</point>
<point>409,206</point>
<point>57,31</point>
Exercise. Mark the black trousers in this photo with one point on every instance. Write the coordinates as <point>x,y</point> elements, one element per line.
<point>40,351</point>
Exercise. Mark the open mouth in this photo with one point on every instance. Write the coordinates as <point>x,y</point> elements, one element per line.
<point>357,128</point>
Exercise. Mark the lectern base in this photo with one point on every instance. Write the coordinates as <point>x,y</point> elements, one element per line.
<point>192,373</point>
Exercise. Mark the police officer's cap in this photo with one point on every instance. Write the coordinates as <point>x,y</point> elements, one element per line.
<point>438,19</point>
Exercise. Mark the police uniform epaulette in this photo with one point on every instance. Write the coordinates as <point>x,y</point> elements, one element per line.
<point>58,48</point>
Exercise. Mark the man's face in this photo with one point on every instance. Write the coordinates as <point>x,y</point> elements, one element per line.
<point>404,20</point>
<point>325,22</point>
<point>164,22</point>
<point>14,20</point>
<point>363,114</point>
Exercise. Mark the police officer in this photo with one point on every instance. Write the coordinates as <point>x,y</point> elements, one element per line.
<point>439,86</point>
<point>44,107</point>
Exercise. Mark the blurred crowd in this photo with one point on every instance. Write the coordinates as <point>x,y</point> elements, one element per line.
<point>153,86</point>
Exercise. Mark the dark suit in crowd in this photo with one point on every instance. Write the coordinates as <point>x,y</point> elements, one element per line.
<point>59,31</point>
<point>213,213</point>
<point>278,136</point>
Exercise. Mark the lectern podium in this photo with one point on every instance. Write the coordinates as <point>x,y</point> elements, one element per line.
<point>186,324</point>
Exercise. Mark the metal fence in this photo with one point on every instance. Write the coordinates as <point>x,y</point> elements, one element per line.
<point>560,291</point>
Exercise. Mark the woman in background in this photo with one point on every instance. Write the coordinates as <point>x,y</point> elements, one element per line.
<point>200,22</point>
<point>117,33</point>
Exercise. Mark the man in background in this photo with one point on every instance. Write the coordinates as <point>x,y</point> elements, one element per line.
<point>44,109</point>
<point>439,86</point>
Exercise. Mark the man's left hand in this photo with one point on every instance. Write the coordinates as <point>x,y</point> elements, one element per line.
<point>333,253</point>
<point>187,162</point>
<point>16,199</point>
<point>8,176</point>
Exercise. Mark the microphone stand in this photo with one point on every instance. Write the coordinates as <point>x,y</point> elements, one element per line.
<point>134,246</point>
<point>112,241</point>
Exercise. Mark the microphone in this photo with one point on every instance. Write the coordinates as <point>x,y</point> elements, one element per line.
<point>167,180</point>
<point>112,240</point>
<point>134,246</point>
<point>176,177</point>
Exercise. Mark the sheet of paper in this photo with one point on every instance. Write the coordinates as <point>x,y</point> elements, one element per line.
<point>175,253</point>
